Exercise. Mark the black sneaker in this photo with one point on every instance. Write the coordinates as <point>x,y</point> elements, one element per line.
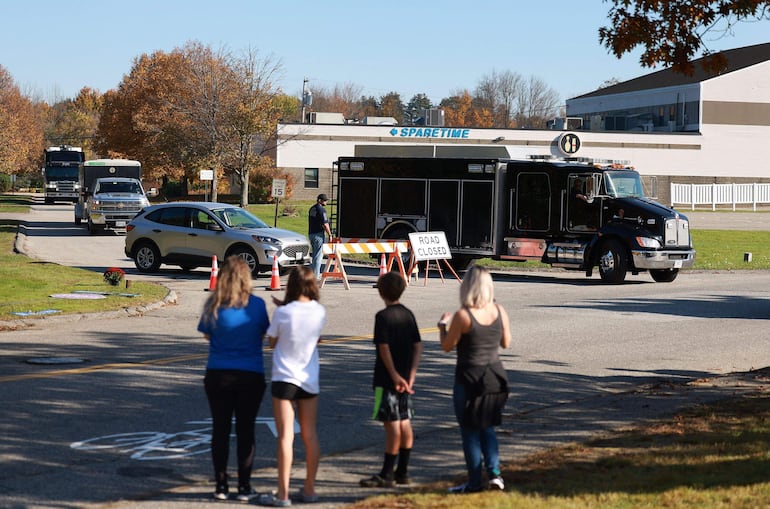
<point>402,479</point>
<point>464,488</point>
<point>221,492</point>
<point>245,493</point>
<point>377,481</point>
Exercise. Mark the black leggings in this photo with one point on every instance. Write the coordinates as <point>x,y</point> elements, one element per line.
<point>238,392</point>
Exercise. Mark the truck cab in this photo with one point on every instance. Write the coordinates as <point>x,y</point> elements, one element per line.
<point>580,215</point>
<point>60,173</point>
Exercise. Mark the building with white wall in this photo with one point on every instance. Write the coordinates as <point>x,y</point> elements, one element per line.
<point>671,128</point>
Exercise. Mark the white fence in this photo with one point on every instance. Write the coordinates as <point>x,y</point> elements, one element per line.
<point>720,194</point>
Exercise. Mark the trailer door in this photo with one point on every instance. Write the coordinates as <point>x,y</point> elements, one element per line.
<point>357,213</point>
<point>477,214</point>
<point>444,208</point>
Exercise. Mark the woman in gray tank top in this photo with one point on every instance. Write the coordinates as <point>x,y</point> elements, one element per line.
<point>478,329</point>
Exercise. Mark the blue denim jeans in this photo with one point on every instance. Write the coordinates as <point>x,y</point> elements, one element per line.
<point>316,244</point>
<point>477,443</point>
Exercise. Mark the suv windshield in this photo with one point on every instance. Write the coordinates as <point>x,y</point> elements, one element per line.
<point>623,184</point>
<point>239,218</point>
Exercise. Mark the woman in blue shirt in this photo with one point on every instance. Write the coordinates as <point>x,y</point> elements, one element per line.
<point>234,321</point>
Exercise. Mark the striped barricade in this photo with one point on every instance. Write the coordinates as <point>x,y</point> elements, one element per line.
<point>333,251</point>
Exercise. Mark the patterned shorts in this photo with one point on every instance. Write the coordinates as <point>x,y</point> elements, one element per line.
<point>391,405</point>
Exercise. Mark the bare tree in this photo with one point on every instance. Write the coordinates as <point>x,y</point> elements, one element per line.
<point>499,93</point>
<point>342,98</point>
<point>252,117</point>
<point>536,103</point>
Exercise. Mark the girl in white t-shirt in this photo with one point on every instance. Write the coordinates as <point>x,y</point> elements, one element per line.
<point>294,334</point>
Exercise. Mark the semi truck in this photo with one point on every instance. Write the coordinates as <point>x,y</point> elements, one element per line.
<point>111,193</point>
<point>572,213</point>
<point>60,173</point>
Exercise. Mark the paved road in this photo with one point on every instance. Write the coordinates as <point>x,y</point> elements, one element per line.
<point>586,357</point>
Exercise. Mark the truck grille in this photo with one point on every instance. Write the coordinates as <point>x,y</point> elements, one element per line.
<point>121,206</point>
<point>677,233</point>
<point>65,186</point>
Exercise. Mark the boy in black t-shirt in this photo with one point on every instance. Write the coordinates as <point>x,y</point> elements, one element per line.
<point>399,349</point>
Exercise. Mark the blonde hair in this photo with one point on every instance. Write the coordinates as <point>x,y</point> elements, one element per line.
<point>477,290</point>
<point>233,288</point>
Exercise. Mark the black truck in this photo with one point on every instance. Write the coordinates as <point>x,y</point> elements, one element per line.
<point>574,214</point>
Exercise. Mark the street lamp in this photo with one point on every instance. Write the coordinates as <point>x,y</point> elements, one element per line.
<point>307,99</point>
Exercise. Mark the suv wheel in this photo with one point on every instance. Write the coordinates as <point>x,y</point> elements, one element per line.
<point>248,255</point>
<point>146,257</point>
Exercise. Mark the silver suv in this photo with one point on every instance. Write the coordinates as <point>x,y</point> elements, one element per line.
<point>188,234</point>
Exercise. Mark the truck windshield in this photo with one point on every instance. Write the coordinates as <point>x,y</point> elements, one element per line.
<point>59,172</point>
<point>239,218</point>
<point>623,184</point>
<point>119,187</point>
<point>59,157</point>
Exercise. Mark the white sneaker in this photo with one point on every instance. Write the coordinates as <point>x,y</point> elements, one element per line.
<point>496,483</point>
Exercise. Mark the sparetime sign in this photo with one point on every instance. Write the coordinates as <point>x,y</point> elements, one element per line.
<point>431,132</point>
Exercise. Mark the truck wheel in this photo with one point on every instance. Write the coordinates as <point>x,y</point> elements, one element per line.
<point>613,262</point>
<point>248,255</point>
<point>147,257</point>
<point>664,275</point>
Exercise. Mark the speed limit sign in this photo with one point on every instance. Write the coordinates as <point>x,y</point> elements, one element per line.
<point>279,188</point>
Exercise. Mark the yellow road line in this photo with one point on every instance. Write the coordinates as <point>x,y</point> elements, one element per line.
<point>161,362</point>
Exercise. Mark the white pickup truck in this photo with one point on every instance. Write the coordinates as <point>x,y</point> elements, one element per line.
<point>113,203</point>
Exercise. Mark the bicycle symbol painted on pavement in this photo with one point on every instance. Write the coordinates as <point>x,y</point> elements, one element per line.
<point>158,445</point>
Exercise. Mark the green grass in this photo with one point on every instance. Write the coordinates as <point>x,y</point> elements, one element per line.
<point>712,456</point>
<point>295,220</point>
<point>28,284</point>
<point>15,203</point>
<point>724,249</point>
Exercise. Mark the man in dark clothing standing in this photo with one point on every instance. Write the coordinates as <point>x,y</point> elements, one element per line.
<point>318,228</point>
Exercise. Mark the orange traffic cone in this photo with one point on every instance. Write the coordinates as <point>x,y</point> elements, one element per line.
<point>275,278</point>
<point>383,268</point>
<point>214,274</point>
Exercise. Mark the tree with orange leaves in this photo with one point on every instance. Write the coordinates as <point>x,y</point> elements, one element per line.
<point>672,33</point>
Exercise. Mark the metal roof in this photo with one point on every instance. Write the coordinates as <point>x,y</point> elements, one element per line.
<point>738,58</point>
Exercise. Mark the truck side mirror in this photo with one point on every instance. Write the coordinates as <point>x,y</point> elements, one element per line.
<point>152,192</point>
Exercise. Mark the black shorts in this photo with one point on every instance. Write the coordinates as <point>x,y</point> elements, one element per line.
<point>286,390</point>
<point>391,405</point>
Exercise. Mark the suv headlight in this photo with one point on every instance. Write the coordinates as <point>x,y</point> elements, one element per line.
<point>648,242</point>
<point>266,239</point>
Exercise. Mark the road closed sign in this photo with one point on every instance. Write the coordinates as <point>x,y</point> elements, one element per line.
<point>429,246</point>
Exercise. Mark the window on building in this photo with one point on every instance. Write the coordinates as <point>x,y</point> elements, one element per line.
<point>311,178</point>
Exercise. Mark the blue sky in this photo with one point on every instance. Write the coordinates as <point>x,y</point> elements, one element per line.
<point>52,49</point>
